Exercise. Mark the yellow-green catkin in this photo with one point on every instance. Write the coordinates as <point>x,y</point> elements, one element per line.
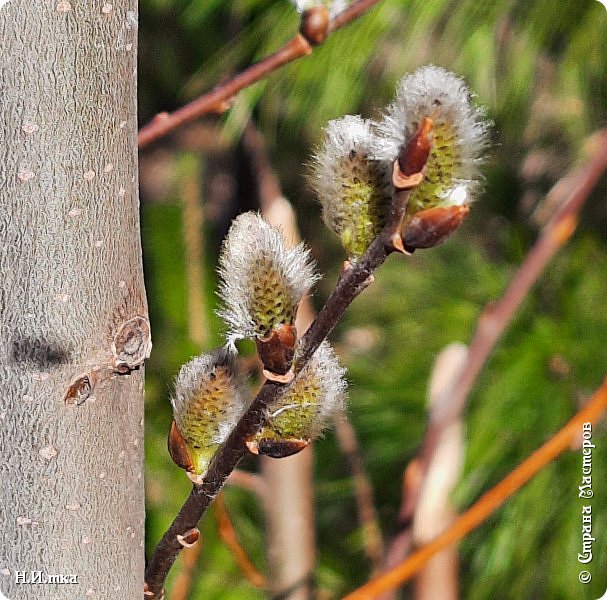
<point>451,174</point>
<point>317,394</point>
<point>262,280</point>
<point>353,188</point>
<point>208,401</point>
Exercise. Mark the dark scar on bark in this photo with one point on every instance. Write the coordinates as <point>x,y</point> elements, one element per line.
<point>40,352</point>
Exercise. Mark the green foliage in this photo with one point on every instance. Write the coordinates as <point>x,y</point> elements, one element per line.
<point>538,378</point>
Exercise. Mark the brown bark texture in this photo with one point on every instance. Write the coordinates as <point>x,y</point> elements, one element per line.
<point>74,330</point>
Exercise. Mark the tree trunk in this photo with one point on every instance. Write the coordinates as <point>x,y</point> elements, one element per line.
<point>74,330</point>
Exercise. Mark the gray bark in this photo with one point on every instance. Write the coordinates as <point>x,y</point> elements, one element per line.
<point>73,317</point>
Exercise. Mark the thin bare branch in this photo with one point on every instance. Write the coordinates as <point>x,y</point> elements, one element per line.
<point>230,538</point>
<point>367,514</point>
<point>219,98</point>
<point>570,194</point>
<point>490,501</point>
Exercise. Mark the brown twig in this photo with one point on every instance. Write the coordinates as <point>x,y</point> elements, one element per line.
<point>496,317</point>
<point>570,193</point>
<point>353,279</point>
<point>217,100</point>
<point>490,501</point>
<point>230,539</point>
<point>367,514</point>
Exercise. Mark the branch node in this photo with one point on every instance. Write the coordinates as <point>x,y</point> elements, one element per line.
<point>393,242</point>
<point>194,478</point>
<point>80,388</point>
<point>278,378</point>
<point>189,538</point>
<point>315,25</point>
<point>131,345</point>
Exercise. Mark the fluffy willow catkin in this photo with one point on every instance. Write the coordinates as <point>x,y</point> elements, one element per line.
<point>209,399</point>
<point>262,280</point>
<point>451,174</point>
<point>333,6</point>
<point>352,170</point>
<point>354,189</point>
<point>306,408</point>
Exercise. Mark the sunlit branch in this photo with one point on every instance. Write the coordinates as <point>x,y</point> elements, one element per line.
<point>490,501</point>
<point>219,98</point>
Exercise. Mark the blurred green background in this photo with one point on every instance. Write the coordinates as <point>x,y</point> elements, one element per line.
<point>539,68</point>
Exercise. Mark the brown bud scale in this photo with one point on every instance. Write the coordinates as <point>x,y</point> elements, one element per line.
<point>315,24</point>
<point>431,227</point>
<point>178,449</point>
<point>189,538</point>
<point>280,448</point>
<point>414,155</point>
<point>276,351</point>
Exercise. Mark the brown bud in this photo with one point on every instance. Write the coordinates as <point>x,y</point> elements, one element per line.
<point>189,538</point>
<point>178,449</point>
<point>431,227</point>
<point>276,448</point>
<point>415,152</point>
<point>315,24</point>
<point>276,351</point>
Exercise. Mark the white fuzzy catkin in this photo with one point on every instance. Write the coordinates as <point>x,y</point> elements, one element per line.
<point>317,395</point>
<point>460,134</point>
<point>262,280</point>
<point>209,400</point>
<point>334,6</point>
<point>354,189</point>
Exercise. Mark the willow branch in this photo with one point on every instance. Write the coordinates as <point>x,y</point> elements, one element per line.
<point>218,99</point>
<point>352,281</point>
<point>490,501</point>
<point>230,539</point>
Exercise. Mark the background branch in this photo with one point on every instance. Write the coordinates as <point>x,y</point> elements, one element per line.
<point>367,514</point>
<point>569,194</point>
<point>490,501</point>
<point>218,99</point>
